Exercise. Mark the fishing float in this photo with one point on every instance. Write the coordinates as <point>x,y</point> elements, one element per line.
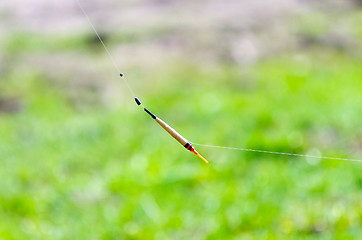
<point>183,141</point>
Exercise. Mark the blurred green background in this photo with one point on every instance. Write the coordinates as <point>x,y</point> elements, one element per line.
<point>79,159</point>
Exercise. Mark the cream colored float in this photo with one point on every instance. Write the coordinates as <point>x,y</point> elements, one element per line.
<point>173,133</point>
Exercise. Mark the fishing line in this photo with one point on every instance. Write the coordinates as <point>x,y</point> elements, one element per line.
<point>279,153</point>
<point>105,48</point>
<point>164,125</point>
<point>176,135</point>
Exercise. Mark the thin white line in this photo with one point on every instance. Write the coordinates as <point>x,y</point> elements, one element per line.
<point>105,47</point>
<point>204,145</point>
<point>280,153</point>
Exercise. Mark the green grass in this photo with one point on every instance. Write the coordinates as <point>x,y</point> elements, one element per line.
<point>103,173</point>
<point>27,42</point>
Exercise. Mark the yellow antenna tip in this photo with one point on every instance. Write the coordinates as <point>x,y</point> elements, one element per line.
<point>199,155</point>
<point>203,159</point>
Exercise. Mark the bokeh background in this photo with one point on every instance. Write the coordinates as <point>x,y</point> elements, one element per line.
<point>79,159</point>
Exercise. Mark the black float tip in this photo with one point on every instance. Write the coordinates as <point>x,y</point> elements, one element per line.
<point>137,101</point>
<point>121,74</point>
<point>152,115</point>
